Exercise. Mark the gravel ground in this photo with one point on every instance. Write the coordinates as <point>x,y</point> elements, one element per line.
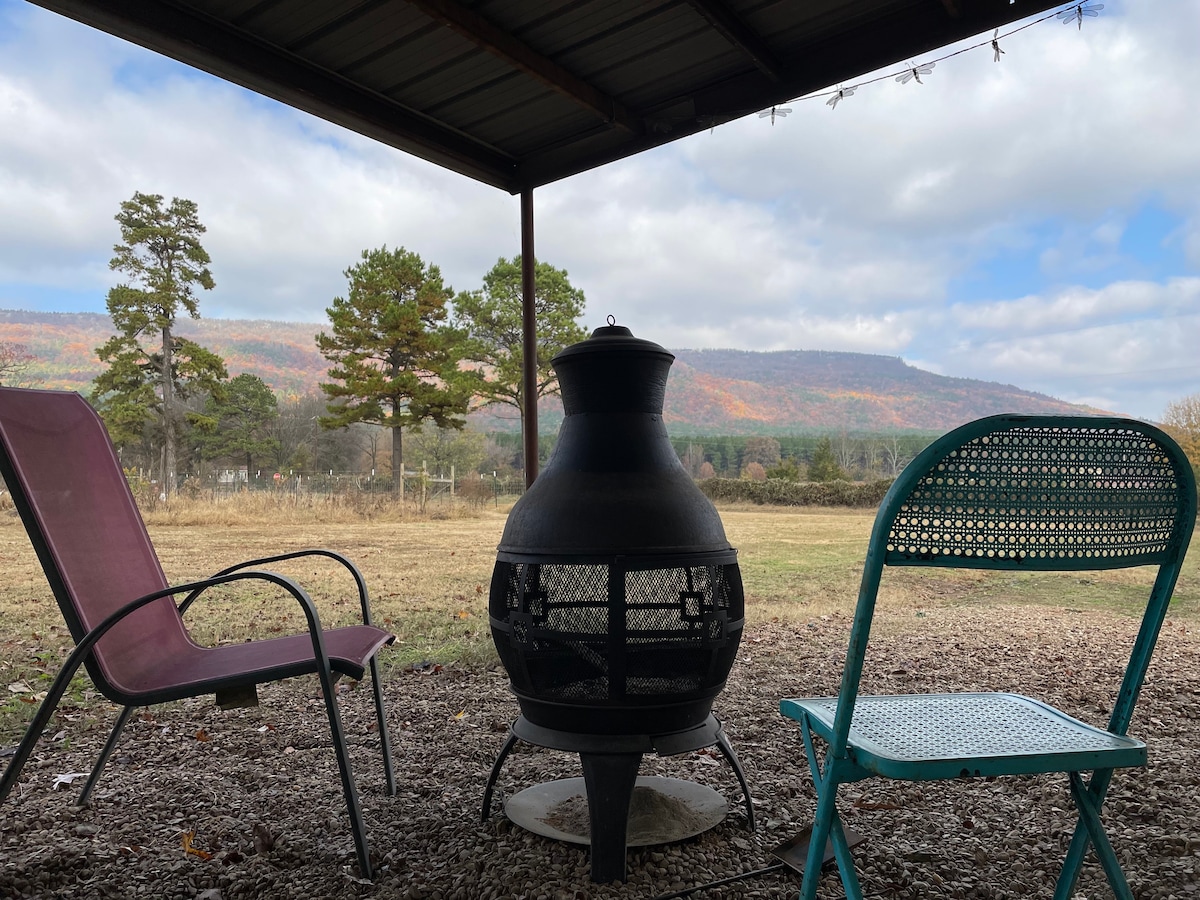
<point>257,790</point>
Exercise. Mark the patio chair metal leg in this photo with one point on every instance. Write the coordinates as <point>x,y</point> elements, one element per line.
<point>42,718</point>
<point>114,738</point>
<point>1081,840</point>
<point>827,827</point>
<point>343,757</point>
<point>1089,815</point>
<point>385,740</point>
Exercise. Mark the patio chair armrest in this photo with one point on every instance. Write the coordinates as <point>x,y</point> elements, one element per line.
<point>84,647</point>
<point>360,582</point>
<point>196,588</point>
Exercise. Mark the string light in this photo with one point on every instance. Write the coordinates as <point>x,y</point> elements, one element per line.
<point>775,111</point>
<point>841,94</point>
<point>913,72</point>
<point>1076,13</point>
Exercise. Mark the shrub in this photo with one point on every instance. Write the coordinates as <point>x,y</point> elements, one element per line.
<point>754,472</point>
<point>787,470</point>
<point>776,492</point>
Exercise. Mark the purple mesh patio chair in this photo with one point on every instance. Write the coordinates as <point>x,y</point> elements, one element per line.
<point>69,488</point>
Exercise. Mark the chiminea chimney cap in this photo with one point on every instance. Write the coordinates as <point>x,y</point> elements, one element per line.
<point>613,338</point>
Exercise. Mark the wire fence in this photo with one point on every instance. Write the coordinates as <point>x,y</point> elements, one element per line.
<point>474,488</point>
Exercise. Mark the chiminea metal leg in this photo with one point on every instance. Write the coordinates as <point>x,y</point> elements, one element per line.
<point>735,764</point>
<point>609,779</point>
<point>496,767</point>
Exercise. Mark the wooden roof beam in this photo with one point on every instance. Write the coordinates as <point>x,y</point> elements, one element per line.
<point>737,32</point>
<point>490,37</point>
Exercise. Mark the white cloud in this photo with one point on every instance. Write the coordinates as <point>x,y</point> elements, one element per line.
<point>1129,347</point>
<point>845,229</point>
<point>1076,308</point>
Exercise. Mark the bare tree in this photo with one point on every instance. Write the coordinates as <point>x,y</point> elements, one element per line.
<point>893,455</point>
<point>15,360</point>
<point>1181,419</point>
<point>693,458</point>
<point>846,451</point>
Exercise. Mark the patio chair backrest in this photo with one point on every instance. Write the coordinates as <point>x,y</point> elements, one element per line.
<point>71,492</point>
<point>1047,493</point>
<point>1038,493</point>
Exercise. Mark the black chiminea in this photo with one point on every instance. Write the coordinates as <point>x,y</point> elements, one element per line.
<point>616,603</point>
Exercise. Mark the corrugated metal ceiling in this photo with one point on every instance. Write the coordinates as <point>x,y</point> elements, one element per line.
<point>518,93</point>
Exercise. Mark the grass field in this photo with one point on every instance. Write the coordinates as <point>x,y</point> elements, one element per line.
<point>429,580</point>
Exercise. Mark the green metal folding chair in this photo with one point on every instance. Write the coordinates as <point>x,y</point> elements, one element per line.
<point>1024,493</point>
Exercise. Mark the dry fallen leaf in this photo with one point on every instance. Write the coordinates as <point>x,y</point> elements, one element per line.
<point>187,837</point>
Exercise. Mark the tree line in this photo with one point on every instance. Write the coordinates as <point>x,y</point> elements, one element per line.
<point>407,355</point>
<point>849,456</point>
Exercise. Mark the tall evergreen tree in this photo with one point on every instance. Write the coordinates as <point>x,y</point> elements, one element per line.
<point>824,465</point>
<point>395,357</point>
<point>240,417</point>
<point>161,255</point>
<point>491,319</point>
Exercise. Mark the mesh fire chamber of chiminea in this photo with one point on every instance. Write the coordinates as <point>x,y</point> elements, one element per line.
<point>616,602</point>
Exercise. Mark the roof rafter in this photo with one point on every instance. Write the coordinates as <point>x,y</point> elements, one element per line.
<point>501,43</point>
<point>231,54</point>
<point>737,32</point>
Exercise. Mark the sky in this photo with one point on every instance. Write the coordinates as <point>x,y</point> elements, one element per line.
<point>1033,221</point>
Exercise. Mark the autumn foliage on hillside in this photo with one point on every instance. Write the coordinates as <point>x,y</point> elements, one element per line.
<point>708,391</point>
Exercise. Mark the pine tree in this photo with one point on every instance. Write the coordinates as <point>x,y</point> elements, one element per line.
<point>824,465</point>
<point>491,319</point>
<point>395,358</point>
<point>143,386</point>
<point>240,418</point>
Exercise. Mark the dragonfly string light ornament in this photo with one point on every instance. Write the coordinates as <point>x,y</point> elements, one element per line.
<point>1076,13</point>
<point>780,111</point>
<point>914,72</point>
<point>840,94</point>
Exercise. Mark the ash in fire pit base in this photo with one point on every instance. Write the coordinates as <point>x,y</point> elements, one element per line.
<point>661,810</point>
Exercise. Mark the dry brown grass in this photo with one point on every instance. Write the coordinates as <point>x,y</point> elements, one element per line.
<point>429,576</point>
<point>291,508</point>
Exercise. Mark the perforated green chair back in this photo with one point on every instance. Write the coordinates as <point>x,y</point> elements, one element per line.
<point>1019,493</point>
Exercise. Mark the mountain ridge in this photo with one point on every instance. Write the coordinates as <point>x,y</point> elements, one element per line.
<point>713,391</point>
